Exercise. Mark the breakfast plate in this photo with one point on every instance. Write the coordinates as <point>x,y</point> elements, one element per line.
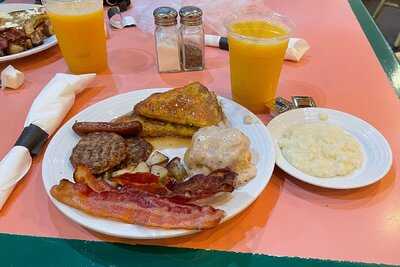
<point>47,42</point>
<point>56,164</point>
<point>377,155</point>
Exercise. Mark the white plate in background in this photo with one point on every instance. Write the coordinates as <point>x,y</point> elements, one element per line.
<point>47,43</point>
<point>376,150</point>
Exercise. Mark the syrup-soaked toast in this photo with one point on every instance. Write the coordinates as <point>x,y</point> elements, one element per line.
<point>191,105</point>
<point>155,128</point>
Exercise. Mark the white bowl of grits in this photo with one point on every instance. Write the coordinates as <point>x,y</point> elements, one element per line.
<point>329,148</point>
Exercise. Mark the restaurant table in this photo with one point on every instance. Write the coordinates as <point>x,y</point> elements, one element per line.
<point>349,67</point>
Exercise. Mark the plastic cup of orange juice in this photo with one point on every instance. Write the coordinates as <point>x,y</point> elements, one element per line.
<point>257,45</point>
<point>80,31</point>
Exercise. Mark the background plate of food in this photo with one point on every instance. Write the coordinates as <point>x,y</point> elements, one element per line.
<point>329,148</point>
<point>227,157</point>
<point>24,30</point>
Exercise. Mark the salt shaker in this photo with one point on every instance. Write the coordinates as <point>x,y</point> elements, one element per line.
<point>192,38</point>
<point>167,39</point>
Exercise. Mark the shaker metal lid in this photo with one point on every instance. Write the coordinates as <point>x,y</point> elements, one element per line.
<point>165,16</point>
<point>190,15</point>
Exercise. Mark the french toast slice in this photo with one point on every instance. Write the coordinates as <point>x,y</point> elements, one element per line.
<point>191,105</point>
<point>155,128</point>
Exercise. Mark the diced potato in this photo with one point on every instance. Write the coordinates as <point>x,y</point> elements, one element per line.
<point>14,48</point>
<point>37,37</point>
<point>160,171</point>
<point>176,169</point>
<point>48,29</point>
<point>28,44</point>
<point>129,169</point>
<point>157,158</point>
<point>28,27</point>
<point>142,167</point>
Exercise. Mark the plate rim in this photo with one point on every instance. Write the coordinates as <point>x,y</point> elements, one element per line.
<point>181,232</point>
<point>52,40</point>
<point>281,160</point>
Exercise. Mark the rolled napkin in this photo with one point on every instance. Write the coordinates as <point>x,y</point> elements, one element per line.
<point>297,47</point>
<point>46,114</point>
<point>13,167</point>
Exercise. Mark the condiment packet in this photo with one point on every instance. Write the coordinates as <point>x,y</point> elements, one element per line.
<point>303,102</point>
<point>11,78</point>
<point>117,20</point>
<point>279,105</point>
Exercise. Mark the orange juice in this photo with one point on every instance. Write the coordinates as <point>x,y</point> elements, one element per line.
<point>256,52</point>
<point>79,28</point>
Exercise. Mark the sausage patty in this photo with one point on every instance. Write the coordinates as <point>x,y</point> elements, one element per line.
<point>138,150</point>
<point>99,151</point>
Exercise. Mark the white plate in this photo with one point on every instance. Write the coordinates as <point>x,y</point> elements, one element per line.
<point>56,164</point>
<point>47,43</point>
<point>376,150</point>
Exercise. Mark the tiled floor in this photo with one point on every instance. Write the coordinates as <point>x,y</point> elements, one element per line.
<point>388,21</point>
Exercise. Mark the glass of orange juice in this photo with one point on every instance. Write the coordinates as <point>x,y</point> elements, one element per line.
<point>80,31</point>
<point>257,45</point>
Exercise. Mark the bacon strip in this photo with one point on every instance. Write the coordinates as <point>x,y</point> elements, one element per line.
<point>136,207</point>
<point>82,174</point>
<point>142,181</point>
<point>201,186</point>
<point>137,178</point>
<point>195,188</point>
<point>3,43</point>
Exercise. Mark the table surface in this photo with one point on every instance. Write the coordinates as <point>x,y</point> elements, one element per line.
<point>289,218</point>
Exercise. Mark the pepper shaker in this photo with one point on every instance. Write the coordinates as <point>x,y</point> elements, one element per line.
<point>192,38</point>
<point>167,40</point>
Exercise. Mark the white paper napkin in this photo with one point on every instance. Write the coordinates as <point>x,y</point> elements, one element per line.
<point>12,168</point>
<point>11,78</point>
<point>47,111</point>
<point>296,49</point>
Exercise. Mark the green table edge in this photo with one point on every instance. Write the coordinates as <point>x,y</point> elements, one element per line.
<point>382,49</point>
<point>19,250</point>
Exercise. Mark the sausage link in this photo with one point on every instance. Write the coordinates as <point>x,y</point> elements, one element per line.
<point>131,128</point>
